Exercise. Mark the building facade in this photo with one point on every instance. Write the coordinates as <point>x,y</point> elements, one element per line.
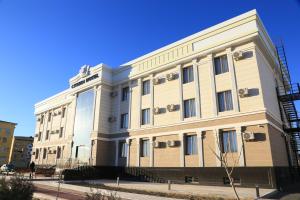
<point>20,151</point>
<point>212,93</point>
<point>6,136</point>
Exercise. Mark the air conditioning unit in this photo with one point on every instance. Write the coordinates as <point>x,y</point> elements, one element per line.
<point>38,119</point>
<point>238,55</point>
<point>249,136</point>
<point>36,135</point>
<point>156,81</point>
<point>171,107</point>
<point>156,110</point>
<point>114,94</point>
<point>57,131</point>
<point>112,119</point>
<point>243,92</point>
<point>171,76</point>
<point>156,144</point>
<point>54,151</point>
<point>171,143</point>
<point>49,151</point>
<point>59,113</point>
<point>52,132</point>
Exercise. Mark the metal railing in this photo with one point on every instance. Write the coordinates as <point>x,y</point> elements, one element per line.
<point>289,89</point>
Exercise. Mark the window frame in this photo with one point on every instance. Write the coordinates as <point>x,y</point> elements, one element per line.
<point>124,125</point>
<point>191,145</point>
<point>222,68</point>
<point>125,93</point>
<point>187,74</point>
<point>189,109</point>
<point>232,146</point>
<point>122,149</point>
<point>225,102</point>
<point>145,148</point>
<point>145,121</point>
<point>146,87</point>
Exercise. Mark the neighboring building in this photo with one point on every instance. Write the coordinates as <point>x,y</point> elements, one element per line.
<point>6,135</point>
<point>20,151</point>
<point>168,110</point>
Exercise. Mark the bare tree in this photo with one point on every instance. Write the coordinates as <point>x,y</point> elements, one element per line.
<point>224,157</point>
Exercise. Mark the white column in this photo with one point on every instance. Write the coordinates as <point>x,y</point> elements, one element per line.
<point>117,153</point>
<point>152,100</point>
<point>200,148</point>
<point>119,102</point>
<point>138,151</point>
<point>197,88</point>
<point>129,104</point>
<point>128,152</point>
<point>179,69</point>
<point>212,84</point>
<point>233,81</point>
<point>218,151</point>
<point>181,138</point>
<point>97,99</point>
<point>139,103</point>
<point>151,151</point>
<point>240,145</point>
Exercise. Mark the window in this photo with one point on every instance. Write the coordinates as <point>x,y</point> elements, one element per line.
<point>221,64</point>
<point>63,112</point>
<point>37,153</point>
<point>188,75</point>
<point>47,135</point>
<point>146,87</point>
<point>7,132</point>
<point>191,145</point>
<point>124,120</point>
<point>145,147</point>
<point>145,116</point>
<point>44,153</point>
<point>49,117</point>
<point>42,119</point>
<point>61,132</point>
<point>58,153</point>
<point>125,93</point>
<point>39,136</point>
<point>189,108</point>
<point>225,101</point>
<point>229,143</point>
<point>122,149</point>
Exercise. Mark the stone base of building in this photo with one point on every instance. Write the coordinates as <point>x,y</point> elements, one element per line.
<point>265,177</point>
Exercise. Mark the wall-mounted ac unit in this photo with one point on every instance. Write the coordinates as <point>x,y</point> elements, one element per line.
<point>114,94</point>
<point>49,151</point>
<point>248,136</point>
<point>156,110</point>
<point>112,119</point>
<point>38,119</point>
<point>171,143</point>
<point>52,132</point>
<point>171,76</point>
<point>171,107</point>
<point>156,144</point>
<point>243,92</point>
<point>156,81</point>
<point>59,113</point>
<point>238,55</point>
<point>54,151</point>
<point>57,131</point>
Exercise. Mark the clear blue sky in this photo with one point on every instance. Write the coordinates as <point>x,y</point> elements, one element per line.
<point>44,43</point>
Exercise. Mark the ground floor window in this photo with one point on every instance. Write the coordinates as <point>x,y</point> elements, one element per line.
<point>122,149</point>
<point>229,141</point>
<point>145,147</point>
<point>191,144</point>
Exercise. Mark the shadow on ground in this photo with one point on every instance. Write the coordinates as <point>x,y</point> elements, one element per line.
<point>291,193</point>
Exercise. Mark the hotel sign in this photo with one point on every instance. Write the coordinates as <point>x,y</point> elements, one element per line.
<point>85,81</point>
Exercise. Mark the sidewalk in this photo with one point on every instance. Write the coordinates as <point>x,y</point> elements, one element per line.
<point>83,190</point>
<point>215,191</point>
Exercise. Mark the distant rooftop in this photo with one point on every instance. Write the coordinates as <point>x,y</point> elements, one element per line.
<point>8,122</point>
